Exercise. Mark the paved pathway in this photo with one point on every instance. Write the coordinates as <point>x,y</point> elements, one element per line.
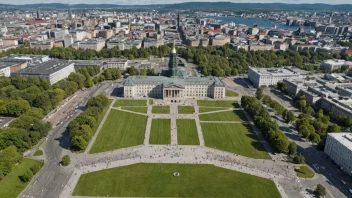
<point>173,114</point>
<point>223,110</point>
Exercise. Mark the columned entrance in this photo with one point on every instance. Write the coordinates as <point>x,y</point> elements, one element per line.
<point>173,93</point>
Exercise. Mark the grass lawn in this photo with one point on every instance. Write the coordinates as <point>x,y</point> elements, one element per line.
<point>120,103</point>
<point>236,115</point>
<point>11,185</point>
<point>136,109</point>
<point>187,132</point>
<point>210,109</point>
<point>38,153</point>
<point>185,109</point>
<point>157,180</point>
<point>160,132</point>
<point>120,130</point>
<point>161,109</point>
<point>234,138</point>
<point>230,93</point>
<point>304,172</point>
<point>150,101</point>
<point>217,103</point>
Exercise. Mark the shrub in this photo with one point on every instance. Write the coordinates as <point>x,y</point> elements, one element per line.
<point>66,160</point>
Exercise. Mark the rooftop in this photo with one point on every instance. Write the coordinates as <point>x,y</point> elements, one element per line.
<point>273,71</point>
<point>4,64</point>
<point>343,138</point>
<point>45,68</point>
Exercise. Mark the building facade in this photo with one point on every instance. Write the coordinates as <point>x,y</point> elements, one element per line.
<point>267,77</point>
<point>333,64</point>
<point>175,86</point>
<point>338,147</point>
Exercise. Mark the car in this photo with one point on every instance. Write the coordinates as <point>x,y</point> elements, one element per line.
<point>350,190</point>
<point>344,183</point>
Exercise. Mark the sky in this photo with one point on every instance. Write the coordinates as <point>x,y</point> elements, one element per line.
<point>138,2</point>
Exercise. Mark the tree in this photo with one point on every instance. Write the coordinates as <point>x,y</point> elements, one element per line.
<point>334,128</point>
<point>299,159</point>
<point>26,177</point>
<point>18,107</point>
<point>292,148</point>
<point>66,160</point>
<point>259,94</point>
<point>306,130</point>
<point>284,114</point>
<point>290,117</point>
<point>78,143</point>
<point>320,190</point>
<point>143,72</point>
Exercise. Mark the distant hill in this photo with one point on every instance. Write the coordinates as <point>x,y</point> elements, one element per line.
<point>190,6</point>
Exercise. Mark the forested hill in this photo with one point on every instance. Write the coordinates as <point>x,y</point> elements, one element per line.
<point>190,5</point>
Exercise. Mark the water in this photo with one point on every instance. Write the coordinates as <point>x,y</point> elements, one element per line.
<point>260,22</point>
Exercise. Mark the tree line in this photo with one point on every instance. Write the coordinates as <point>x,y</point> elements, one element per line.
<point>82,128</point>
<point>269,128</point>
<point>80,54</point>
<point>225,61</point>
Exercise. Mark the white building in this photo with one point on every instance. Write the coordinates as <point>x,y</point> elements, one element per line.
<point>93,44</point>
<point>338,147</point>
<point>175,87</point>
<point>333,64</point>
<point>269,76</point>
<point>53,70</point>
<point>119,64</point>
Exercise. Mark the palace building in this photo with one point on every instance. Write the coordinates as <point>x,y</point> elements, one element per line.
<point>175,85</point>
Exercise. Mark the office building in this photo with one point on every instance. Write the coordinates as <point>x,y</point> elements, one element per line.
<point>267,77</point>
<point>338,147</point>
<point>53,70</point>
<point>333,64</point>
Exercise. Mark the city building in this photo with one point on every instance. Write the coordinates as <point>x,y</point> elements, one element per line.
<point>7,67</point>
<point>337,107</point>
<point>174,86</point>
<point>53,70</point>
<point>333,64</point>
<point>338,147</point>
<point>267,77</point>
<point>93,44</point>
<point>119,64</point>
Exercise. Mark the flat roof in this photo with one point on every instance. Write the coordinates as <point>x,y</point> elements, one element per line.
<point>4,64</point>
<point>273,71</point>
<point>344,138</point>
<point>45,68</point>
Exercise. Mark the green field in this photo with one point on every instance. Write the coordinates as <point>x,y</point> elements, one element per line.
<point>136,109</point>
<point>217,103</point>
<point>304,172</point>
<point>161,109</point>
<point>235,138</point>
<point>157,180</point>
<point>160,132</point>
<point>121,129</point>
<point>187,132</point>
<point>150,102</point>
<point>210,109</point>
<point>236,115</point>
<point>231,93</point>
<point>185,109</point>
<point>120,103</point>
<point>38,153</point>
<point>11,185</point>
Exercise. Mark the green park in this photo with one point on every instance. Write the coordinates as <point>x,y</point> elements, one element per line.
<point>158,180</point>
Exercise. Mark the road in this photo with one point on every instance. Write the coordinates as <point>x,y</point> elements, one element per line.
<point>51,179</point>
<point>327,172</point>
